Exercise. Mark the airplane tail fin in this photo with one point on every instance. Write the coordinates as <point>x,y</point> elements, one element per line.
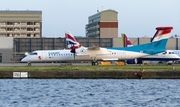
<point>158,43</point>
<point>71,41</point>
<point>162,33</point>
<point>126,41</point>
<point>159,40</point>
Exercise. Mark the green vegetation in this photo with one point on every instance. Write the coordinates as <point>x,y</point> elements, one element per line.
<point>84,68</point>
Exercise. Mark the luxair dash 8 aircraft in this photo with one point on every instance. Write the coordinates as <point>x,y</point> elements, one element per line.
<point>79,53</point>
<point>167,56</point>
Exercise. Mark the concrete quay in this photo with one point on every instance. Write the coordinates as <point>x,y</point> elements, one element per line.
<point>91,75</point>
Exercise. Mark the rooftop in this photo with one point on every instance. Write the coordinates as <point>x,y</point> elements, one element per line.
<point>20,11</point>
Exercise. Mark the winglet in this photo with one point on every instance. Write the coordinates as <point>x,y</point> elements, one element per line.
<point>162,33</point>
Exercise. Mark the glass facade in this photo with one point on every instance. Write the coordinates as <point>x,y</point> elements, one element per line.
<point>92,29</point>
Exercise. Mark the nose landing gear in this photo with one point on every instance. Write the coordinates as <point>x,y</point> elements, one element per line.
<point>29,63</point>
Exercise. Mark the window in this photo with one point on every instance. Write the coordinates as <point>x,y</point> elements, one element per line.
<point>164,52</point>
<point>33,53</point>
<point>30,23</point>
<point>10,23</point>
<point>28,35</point>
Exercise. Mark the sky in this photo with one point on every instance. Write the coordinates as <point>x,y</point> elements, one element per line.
<point>137,18</point>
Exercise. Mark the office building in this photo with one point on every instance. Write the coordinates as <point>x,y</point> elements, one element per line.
<point>103,24</point>
<point>21,24</point>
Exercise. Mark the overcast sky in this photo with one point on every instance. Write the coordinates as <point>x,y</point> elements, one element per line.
<point>137,18</point>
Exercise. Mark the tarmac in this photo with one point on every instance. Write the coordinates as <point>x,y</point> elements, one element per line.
<point>42,64</point>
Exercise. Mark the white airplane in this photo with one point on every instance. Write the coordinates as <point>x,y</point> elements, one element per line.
<point>167,56</point>
<point>177,52</point>
<point>79,53</point>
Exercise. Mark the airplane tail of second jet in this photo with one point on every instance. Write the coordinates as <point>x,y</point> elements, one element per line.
<point>126,41</point>
<point>159,41</point>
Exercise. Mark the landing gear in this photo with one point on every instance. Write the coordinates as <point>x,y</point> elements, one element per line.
<point>94,63</point>
<point>29,63</point>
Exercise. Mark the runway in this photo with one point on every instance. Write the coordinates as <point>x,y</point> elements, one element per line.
<point>61,64</point>
<point>42,64</point>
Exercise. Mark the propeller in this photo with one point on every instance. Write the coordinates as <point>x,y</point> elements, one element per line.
<point>73,50</point>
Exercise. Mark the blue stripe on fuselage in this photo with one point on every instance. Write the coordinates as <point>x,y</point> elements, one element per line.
<point>158,59</point>
<point>148,48</point>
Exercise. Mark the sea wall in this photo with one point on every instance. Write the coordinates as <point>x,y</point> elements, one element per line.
<point>92,75</point>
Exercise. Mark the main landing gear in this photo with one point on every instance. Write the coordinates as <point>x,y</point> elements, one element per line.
<point>94,63</point>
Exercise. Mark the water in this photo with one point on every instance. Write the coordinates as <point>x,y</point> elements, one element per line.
<point>89,93</point>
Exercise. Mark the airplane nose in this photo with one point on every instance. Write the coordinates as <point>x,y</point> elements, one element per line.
<point>24,59</point>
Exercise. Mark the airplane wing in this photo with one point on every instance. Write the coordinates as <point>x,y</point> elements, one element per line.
<point>95,47</point>
<point>94,51</point>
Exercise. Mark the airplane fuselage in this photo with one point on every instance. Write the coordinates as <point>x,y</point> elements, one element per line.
<point>66,55</point>
<point>83,53</point>
<point>164,56</point>
<point>167,56</point>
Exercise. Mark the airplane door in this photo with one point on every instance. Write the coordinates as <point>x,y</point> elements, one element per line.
<point>123,55</point>
<point>163,54</point>
<point>44,56</point>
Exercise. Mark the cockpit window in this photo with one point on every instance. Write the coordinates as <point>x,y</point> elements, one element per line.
<point>33,53</point>
<point>164,52</point>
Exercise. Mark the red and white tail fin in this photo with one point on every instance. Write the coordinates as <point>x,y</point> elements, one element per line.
<point>71,41</point>
<point>126,41</point>
<point>162,33</point>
